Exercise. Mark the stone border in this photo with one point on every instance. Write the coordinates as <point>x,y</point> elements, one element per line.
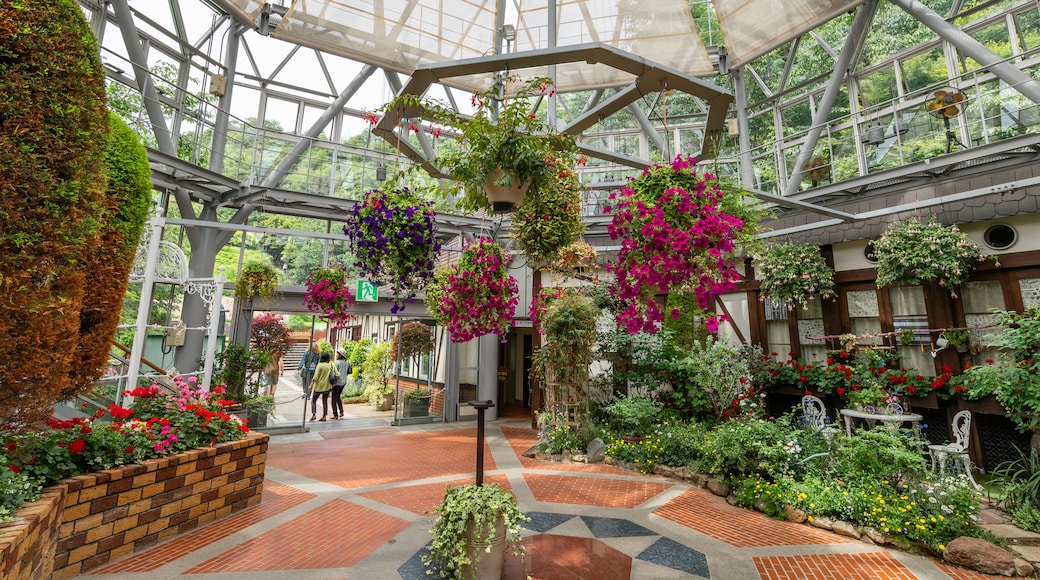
<point>86,521</point>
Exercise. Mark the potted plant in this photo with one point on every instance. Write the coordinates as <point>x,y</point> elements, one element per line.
<point>678,230</point>
<point>475,525</point>
<point>393,236</point>
<point>377,372</point>
<point>328,295</point>
<point>416,402</point>
<point>549,218</point>
<point>912,252</point>
<point>795,273</point>
<point>503,146</point>
<point>257,279</point>
<point>476,296</point>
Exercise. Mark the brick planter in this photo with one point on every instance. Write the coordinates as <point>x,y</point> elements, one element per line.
<point>86,521</point>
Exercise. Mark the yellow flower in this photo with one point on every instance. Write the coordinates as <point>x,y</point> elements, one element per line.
<point>942,547</point>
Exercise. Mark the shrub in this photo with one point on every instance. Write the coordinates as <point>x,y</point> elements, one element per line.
<point>108,262</point>
<point>53,129</point>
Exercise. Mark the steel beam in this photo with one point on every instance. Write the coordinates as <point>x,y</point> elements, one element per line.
<point>961,40</point>
<point>860,27</point>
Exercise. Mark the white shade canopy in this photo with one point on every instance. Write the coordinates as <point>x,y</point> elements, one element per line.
<point>404,34</point>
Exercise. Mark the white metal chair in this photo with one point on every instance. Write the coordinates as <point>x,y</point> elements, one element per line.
<point>815,413</point>
<point>957,451</point>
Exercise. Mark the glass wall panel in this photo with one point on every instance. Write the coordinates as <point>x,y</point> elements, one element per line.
<point>924,71</point>
<point>1028,24</point>
<point>878,88</point>
<point>994,37</point>
<point>797,118</point>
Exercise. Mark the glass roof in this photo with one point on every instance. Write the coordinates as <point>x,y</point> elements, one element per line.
<point>404,34</point>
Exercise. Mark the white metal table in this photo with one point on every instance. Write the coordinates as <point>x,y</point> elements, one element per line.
<point>891,420</point>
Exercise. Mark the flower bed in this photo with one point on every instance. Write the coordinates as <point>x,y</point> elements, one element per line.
<point>85,521</point>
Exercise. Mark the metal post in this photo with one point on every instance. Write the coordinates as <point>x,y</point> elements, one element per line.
<point>480,406</point>
<point>859,27</point>
<point>747,173</point>
<point>144,305</point>
<point>214,327</point>
<point>220,124</point>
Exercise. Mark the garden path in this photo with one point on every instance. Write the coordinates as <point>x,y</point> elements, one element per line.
<point>348,500</point>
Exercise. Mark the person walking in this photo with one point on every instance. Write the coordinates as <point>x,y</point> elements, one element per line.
<point>308,364</point>
<point>321,386</point>
<point>342,373</point>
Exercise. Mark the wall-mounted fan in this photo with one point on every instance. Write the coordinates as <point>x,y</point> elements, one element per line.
<point>816,170</point>
<point>946,103</point>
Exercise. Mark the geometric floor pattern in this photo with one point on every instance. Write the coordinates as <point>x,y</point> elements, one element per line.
<point>354,506</point>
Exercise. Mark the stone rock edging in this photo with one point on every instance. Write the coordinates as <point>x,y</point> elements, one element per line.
<point>988,559</point>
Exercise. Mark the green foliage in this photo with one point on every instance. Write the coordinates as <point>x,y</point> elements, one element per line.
<point>258,278</point>
<point>1015,380</point>
<point>358,352</point>
<point>569,325</point>
<point>550,217</point>
<point>109,260</point>
<point>717,373</point>
<point>743,447</point>
<point>643,454</point>
<point>240,370</point>
<point>559,438</point>
<point>631,415</point>
<point>481,506</point>
<point>53,135</point>
<point>1020,479</point>
<point>881,454</point>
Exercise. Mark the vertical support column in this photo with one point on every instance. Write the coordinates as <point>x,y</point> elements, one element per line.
<point>747,173</point>
<point>220,124</point>
<point>481,407</point>
<point>144,305</point>
<point>451,382</point>
<point>214,328</point>
<point>553,32</point>
<point>487,370</point>
<point>144,77</point>
<point>860,25</point>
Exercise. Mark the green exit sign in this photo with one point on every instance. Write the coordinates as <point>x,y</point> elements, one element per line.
<point>367,291</point>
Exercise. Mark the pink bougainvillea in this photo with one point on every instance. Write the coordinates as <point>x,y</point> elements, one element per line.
<point>678,233</point>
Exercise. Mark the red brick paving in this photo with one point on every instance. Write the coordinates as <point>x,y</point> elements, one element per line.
<point>866,566</point>
<point>338,534</point>
<point>420,499</point>
<point>522,439</point>
<point>382,459</point>
<point>712,516</point>
<point>276,498</point>
<point>958,573</point>
<point>594,491</point>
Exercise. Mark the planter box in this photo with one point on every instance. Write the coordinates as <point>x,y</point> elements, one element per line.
<point>85,521</point>
<point>986,405</point>
<point>417,408</point>
<point>929,401</point>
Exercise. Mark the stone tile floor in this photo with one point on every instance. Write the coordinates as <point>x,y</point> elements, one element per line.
<point>348,500</point>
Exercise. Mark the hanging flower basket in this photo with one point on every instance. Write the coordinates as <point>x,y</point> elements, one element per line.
<point>505,190</point>
<point>477,295</point>
<point>328,295</point>
<point>795,273</point>
<point>575,257</point>
<point>550,218</point>
<point>676,228</point>
<point>393,237</point>
<point>911,252</point>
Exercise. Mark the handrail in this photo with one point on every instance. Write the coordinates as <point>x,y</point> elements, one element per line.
<point>146,362</point>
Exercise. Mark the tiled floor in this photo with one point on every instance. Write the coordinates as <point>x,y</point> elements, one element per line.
<point>353,504</point>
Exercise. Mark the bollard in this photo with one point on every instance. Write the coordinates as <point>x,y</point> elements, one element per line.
<point>480,406</point>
